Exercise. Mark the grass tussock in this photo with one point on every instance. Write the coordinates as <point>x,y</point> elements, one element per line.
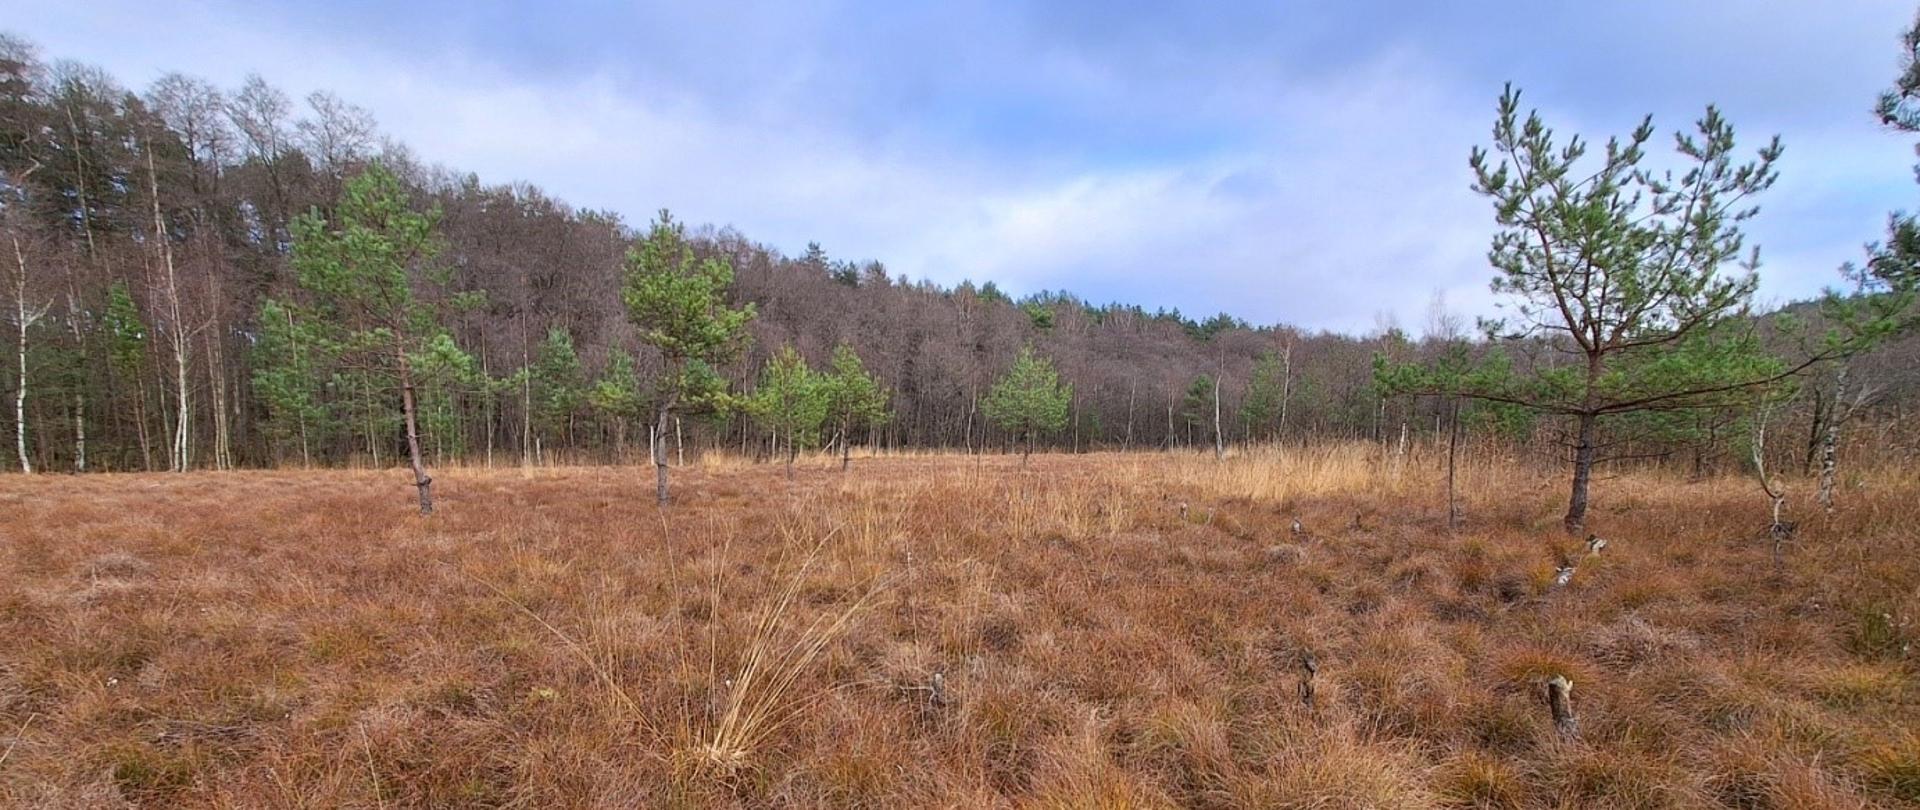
<point>1108,630</point>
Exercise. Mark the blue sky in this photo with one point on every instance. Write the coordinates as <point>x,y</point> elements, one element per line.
<point>1293,162</point>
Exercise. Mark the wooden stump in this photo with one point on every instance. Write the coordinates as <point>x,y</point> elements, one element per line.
<point>1560,701</point>
<point>1309,666</point>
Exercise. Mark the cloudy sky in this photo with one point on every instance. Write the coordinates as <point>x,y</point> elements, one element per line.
<point>1289,162</point>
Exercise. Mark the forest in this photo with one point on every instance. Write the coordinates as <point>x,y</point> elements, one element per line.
<point>160,321</point>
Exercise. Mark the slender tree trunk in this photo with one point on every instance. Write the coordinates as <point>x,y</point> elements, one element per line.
<point>526,401</point>
<point>222,435</point>
<point>176,328</point>
<point>973,402</point>
<point>1133,388</point>
<point>1286,391</point>
<point>1583,451</point>
<point>1829,460</point>
<point>140,421</point>
<point>1172,437</point>
<point>73,304</point>
<point>421,480</point>
<point>1219,441</point>
<point>216,360</point>
<point>1816,431</point>
<point>24,319</point>
<point>660,452</point>
<point>79,433</point>
<point>846,445</point>
<point>1453,453</point>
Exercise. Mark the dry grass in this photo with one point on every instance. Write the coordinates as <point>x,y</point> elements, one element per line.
<point>1106,631</point>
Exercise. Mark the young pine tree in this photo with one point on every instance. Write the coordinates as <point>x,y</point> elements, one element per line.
<point>854,397</point>
<point>1636,273</point>
<point>617,397</point>
<point>1260,411</point>
<point>559,387</point>
<point>1029,400</point>
<point>679,305</point>
<point>360,270</point>
<point>790,402</point>
<point>285,379</point>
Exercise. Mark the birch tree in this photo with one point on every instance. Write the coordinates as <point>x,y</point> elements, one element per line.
<point>25,315</point>
<point>178,336</point>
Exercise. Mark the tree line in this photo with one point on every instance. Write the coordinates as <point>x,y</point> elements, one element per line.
<point>208,277</point>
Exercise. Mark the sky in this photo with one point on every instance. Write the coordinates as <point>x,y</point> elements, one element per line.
<point>1299,163</point>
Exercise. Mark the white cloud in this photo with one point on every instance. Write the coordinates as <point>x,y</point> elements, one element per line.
<point>1320,200</point>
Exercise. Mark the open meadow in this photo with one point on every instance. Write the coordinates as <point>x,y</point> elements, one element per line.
<point>1109,630</point>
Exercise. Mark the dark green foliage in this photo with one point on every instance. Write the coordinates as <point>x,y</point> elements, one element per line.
<point>1197,407</point>
<point>559,385</point>
<point>286,378</point>
<point>791,400</point>
<point>853,397</point>
<point>679,303</point>
<point>1260,409</point>
<point>1030,399</point>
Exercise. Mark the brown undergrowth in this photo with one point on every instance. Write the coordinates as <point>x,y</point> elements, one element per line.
<point>950,631</point>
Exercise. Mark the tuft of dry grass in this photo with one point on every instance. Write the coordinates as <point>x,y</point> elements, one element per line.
<point>1106,630</point>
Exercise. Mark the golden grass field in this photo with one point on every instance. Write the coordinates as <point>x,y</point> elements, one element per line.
<point>1106,630</point>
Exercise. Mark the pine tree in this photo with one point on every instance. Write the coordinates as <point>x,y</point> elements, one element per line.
<point>790,402</point>
<point>854,397</point>
<point>1029,400</point>
<point>679,305</point>
<point>445,378</point>
<point>285,372</point>
<point>1260,411</point>
<point>360,269</point>
<point>1627,269</point>
<point>1197,405</point>
<point>617,397</point>
<point>559,386</point>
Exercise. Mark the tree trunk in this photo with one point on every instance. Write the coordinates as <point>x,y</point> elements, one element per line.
<point>1816,432</point>
<point>1560,703</point>
<point>20,390</point>
<point>177,336</point>
<point>792,451</point>
<point>1286,391</point>
<point>1219,441</point>
<point>24,319</point>
<point>79,433</point>
<point>526,401</point>
<point>1829,460</point>
<point>420,478</point>
<point>1839,410</point>
<point>1453,451</point>
<point>1582,473</point>
<point>73,295</point>
<point>846,445</point>
<point>660,450</point>
<point>1027,451</point>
